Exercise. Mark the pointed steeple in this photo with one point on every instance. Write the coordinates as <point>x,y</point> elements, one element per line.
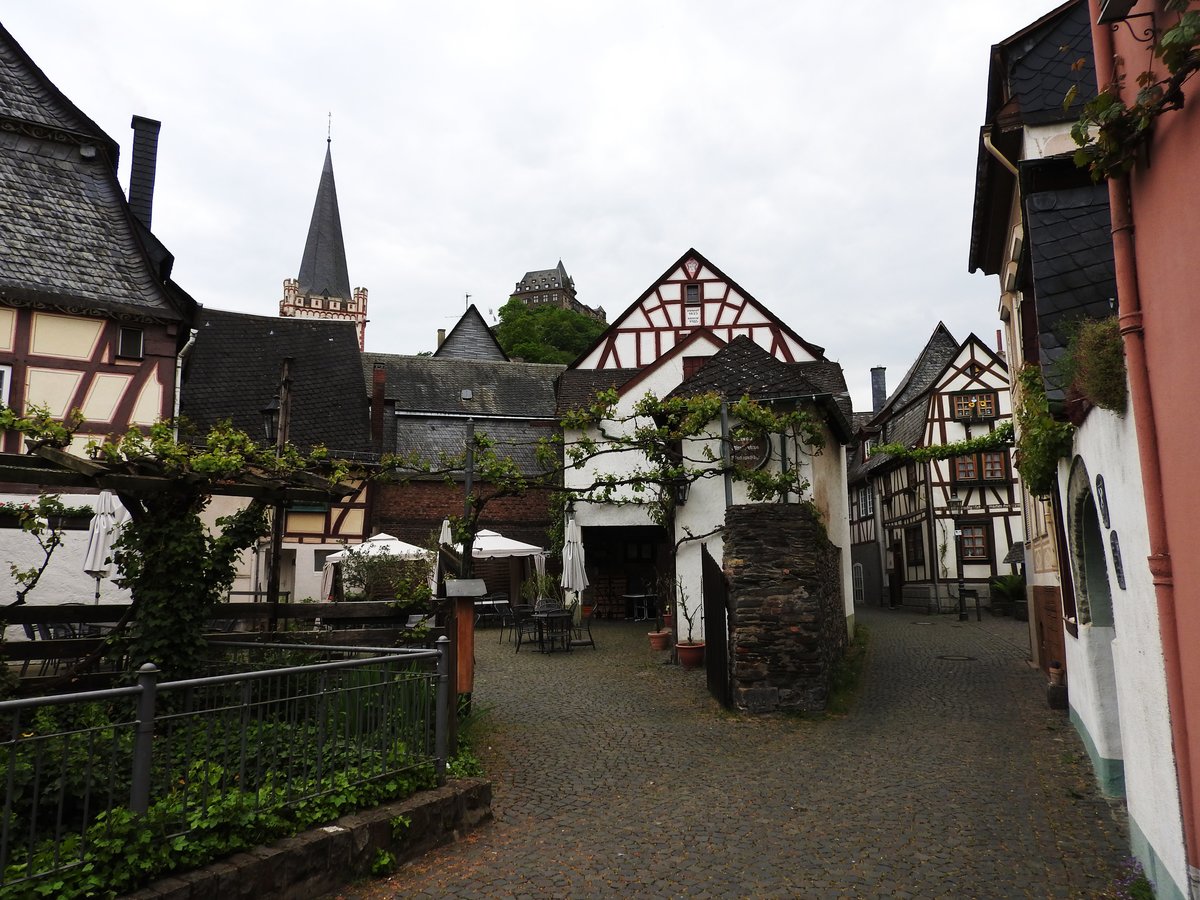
<point>323,269</point>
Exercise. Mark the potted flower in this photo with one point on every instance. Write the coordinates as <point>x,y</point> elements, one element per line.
<point>690,651</point>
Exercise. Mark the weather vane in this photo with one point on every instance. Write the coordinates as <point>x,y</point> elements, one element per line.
<point>329,128</point>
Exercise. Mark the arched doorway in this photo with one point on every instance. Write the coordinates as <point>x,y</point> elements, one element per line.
<point>1093,680</point>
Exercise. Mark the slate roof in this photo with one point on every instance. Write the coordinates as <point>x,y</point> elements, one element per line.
<point>742,367</point>
<point>1029,77</point>
<point>233,371</point>
<point>1040,61</point>
<point>67,238</point>
<point>578,387</point>
<point>430,384</point>
<point>323,269</point>
<point>27,95</point>
<point>938,350</point>
<point>434,438</point>
<point>1074,277</point>
<point>470,338</point>
<point>546,279</point>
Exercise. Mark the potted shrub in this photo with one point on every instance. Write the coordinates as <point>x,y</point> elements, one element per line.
<point>690,651</point>
<point>1008,596</point>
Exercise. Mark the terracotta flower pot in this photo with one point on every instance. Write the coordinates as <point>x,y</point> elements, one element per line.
<point>659,640</point>
<point>691,654</point>
<point>668,620</point>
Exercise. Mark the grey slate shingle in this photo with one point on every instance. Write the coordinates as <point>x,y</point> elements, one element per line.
<point>233,370</point>
<point>323,270</point>
<point>430,384</point>
<point>471,339</point>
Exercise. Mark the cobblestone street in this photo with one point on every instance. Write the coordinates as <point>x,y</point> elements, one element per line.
<point>616,774</point>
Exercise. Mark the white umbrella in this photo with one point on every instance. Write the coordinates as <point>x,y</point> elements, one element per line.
<point>377,545</point>
<point>574,576</point>
<point>326,581</point>
<point>96,561</point>
<point>493,545</point>
<point>445,538</point>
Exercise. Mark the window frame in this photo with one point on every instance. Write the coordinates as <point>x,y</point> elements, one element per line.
<point>123,351</point>
<point>974,415</point>
<point>984,543</point>
<point>914,550</point>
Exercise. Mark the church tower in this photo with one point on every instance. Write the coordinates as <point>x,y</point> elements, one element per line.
<point>322,290</point>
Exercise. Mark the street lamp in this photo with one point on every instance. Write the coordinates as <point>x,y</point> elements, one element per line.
<point>955,503</point>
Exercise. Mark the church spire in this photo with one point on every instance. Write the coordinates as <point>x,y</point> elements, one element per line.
<point>323,269</point>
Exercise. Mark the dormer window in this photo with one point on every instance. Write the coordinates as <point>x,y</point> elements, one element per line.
<point>973,405</point>
<point>131,344</point>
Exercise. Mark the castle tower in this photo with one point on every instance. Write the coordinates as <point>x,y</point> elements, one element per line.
<point>322,290</point>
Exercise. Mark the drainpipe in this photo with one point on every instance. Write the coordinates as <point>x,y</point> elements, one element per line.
<point>1129,307</point>
<point>179,357</point>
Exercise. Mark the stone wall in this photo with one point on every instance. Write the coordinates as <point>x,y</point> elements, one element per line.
<point>787,619</point>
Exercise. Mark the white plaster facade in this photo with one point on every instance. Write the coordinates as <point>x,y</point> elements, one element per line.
<point>1116,676</point>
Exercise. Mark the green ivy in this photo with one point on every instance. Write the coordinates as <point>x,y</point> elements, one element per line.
<point>998,438</point>
<point>1042,440</point>
<point>1094,363</point>
<point>1110,133</point>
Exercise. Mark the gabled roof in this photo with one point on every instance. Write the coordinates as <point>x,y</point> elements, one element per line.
<point>233,373</point>
<point>470,338</point>
<point>67,238</point>
<point>28,96</point>
<point>578,387</point>
<point>1029,76</point>
<point>429,384</point>
<point>692,253</point>
<point>323,269</point>
<point>743,368</point>
<point>940,349</point>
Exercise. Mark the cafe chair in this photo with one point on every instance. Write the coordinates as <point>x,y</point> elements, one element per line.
<point>581,634</point>
<point>525,625</point>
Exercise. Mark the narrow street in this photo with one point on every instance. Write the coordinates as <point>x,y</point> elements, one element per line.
<point>616,774</point>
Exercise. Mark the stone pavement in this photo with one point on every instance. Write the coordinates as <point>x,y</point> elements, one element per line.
<point>616,774</point>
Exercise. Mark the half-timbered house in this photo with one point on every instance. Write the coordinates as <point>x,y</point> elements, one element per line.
<point>941,524</point>
<point>90,320</point>
<point>695,329</point>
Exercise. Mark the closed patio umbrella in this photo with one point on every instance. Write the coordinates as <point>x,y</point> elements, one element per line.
<point>101,533</point>
<point>574,576</point>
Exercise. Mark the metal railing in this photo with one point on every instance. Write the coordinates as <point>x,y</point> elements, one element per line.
<point>177,754</point>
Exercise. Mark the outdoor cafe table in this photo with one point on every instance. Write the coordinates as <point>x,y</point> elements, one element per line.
<point>552,624</point>
<point>639,606</point>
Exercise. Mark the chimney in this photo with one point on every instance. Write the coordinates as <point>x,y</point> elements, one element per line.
<point>378,390</point>
<point>878,388</point>
<point>441,336</point>
<point>141,167</point>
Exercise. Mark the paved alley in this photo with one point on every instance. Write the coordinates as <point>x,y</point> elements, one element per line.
<point>615,774</point>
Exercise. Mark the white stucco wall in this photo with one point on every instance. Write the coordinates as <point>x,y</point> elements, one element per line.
<point>1133,724</point>
<point>64,580</point>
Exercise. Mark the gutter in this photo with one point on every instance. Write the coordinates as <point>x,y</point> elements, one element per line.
<point>1129,308</point>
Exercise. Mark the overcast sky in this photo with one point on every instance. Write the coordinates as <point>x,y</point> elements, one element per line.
<point>822,155</point>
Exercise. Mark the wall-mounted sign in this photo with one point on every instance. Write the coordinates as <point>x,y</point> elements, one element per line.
<point>750,453</point>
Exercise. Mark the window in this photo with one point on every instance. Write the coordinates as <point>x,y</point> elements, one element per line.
<point>974,542</point>
<point>5,381</point>
<point>692,364</point>
<point>914,546</point>
<point>866,502</point>
<point>966,468</point>
<point>692,293</point>
<point>974,405</point>
<point>319,559</point>
<point>993,467</point>
<point>974,467</point>
<point>130,345</point>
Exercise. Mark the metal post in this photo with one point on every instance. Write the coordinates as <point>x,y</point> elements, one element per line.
<point>725,461</point>
<point>442,714</point>
<point>280,512</point>
<point>466,566</point>
<point>962,601</point>
<point>143,741</point>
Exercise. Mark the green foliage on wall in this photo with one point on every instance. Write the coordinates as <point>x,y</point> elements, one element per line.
<point>1042,440</point>
<point>1095,363</point>
<point>545,334</point>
